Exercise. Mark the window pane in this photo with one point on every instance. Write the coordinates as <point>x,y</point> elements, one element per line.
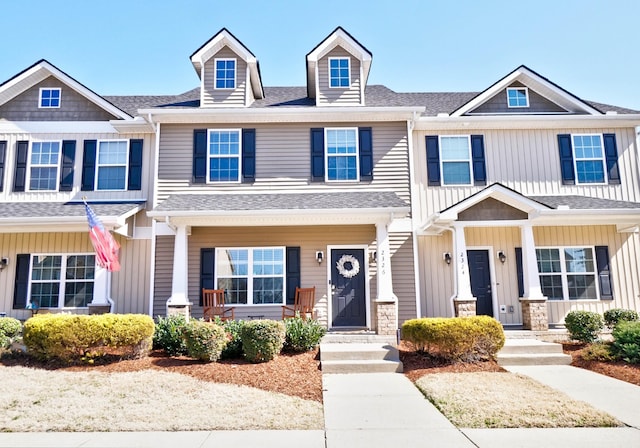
<point>224,156</point>
<point>548,260</point>
<point>456,173</point>
<point>233,262</point>
<point>111,178</point>
<point>552,286</point>
<point>454,148</point>
<point>591,171</point>
<point>341,141</point>
<point>579,260</point>
<point>46,267</point>
<point>45,295</point>
<point>268,262</point>
<point>225,74</point>
<point>268,290</point>
<point>112,153</point>
<point>342,168</point>
<point>339,72</point>
<point>43,179</point>
<point>582,287</point>
<point>235,290</point>
<point>78,294</point>
<point>80,267</point>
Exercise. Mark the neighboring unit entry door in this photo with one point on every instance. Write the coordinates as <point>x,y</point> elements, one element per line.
<point>480,274</point>
<point>348,271</point>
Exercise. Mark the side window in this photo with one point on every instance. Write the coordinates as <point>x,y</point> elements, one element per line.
<point>339,72</point>
<point>49,98</point>
<point>225,73</point>
<point>588,159</point>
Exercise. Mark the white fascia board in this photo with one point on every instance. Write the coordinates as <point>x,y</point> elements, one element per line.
<point>57,224</point>
<point>398,212</point>
<point>217,42</point>
<point>137,126</point>
<point>57,127</point>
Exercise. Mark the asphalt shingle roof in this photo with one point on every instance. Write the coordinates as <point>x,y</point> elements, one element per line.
<point>575,202</point>
<point>57,210</point>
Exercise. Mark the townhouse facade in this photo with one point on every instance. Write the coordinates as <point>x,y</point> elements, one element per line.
<point>520,202</point>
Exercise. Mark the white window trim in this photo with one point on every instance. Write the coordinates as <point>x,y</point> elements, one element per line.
<point>602,159</point>
<point>526,95</point>
<point>239,156</point>
<point>98,165</point>
<point>339,58</point>
<point>30,165</point>
<point>563,273</point>
<point>61,281</point>
<point>215,74</point>
<point>356,155</point>
<point>250,275</point>
<point>40,106</point>
<point>469,161</point>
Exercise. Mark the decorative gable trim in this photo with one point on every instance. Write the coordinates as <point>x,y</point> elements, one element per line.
<point>537,83</point>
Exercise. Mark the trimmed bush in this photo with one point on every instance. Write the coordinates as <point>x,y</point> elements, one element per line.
<point>169,335</point>
<point>584,326</point>
<point>205,340</point>
<point>302,335</point>
<point>599,351</point>
<point>68,337</point>
<point>232,328</point>
<point>612,317</point>
<point>10,329</point>
<point>456,338</point>
<point>626,341</point>
<point>262,340</point>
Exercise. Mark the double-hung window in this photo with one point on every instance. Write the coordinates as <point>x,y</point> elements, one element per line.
<point>111,166</point>
<point>61,281</point>
<point>517,97</point>
<point>251,276</point>
<point>225,71</point>
<point>341,154</point>
<point>49,98</point>
<point>339,72</point>
<point>588,156</point>
<point>43,166</point>
<point>568,273</point>
<point>224,155</point>
<point>455,160</point>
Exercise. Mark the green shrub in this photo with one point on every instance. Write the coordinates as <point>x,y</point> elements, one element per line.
<point>626,341</point>
<point>302,335</point>
<point>262,340</point>
<point>458,338</point>
<point>68,337</point>
<point>169,335</point>
<point>232,328</point>
<point>599,351</point>
<point>584,326</point>
<point>205,340</point>
<point>612,317</point>
<point>10,329</point>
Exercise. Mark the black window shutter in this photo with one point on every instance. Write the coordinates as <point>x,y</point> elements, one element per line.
<point>21,284</point>
<point>477,158</point>
<point>604,272</point>
<point>317,154</point>
<point>22,150</point>
<point>248,155</point>
<point>89,165</point>
<point>68,161</point>
<point>611,154</point>
<point>3,153</point>
<point>519,271</point>
<point>293,273</point>
<point>135,164</point>
<point>365,137</point>
<point>433,160</point>
<point>566,159</point>
<point>199,156</point>
<point>207,270</point>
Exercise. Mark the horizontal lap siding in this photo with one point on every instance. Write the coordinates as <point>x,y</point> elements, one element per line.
<point>212,96</point>
<point>328,95</point>
<point>402,267</point>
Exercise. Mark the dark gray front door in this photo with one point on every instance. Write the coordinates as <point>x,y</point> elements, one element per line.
<point>348,273</point>
<point>480,274</point>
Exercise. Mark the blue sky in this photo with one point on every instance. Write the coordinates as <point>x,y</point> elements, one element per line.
<point>123,47</point>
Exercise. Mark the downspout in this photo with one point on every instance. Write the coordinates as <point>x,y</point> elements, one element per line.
<point>152,276</point>
<point>414,216</point>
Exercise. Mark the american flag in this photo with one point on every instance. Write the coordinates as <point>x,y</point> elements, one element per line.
<point>105,246</point>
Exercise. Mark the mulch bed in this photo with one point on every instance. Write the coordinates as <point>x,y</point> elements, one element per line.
<point>618,369</point>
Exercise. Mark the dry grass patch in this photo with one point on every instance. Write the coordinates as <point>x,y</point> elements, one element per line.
<point>149,400</point>
<point>507,400</point>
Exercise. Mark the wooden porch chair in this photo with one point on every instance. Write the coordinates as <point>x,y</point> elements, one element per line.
<point>213,305</point>
<point>303,306</point>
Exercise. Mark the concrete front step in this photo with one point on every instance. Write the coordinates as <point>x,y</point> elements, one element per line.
<point>358,351</point>
<point>361,366</point>
<point>524,346</point>
<point>531,352</point>
<point>357,338</point>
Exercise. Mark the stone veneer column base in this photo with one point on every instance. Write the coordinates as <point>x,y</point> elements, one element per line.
<point>182,309</point>
<point>534,314</point>
<point>386,318</point>
<point>465,308</point>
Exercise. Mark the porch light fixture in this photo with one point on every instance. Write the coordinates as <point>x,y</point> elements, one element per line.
<point>447,257</point>
<point>502,256</point>
<point>3,263</point>
<point>319,256</point>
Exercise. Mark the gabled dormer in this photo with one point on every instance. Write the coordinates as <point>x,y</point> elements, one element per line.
<point>525,92</point>
<point>229,73</point>
<point>337,71</point>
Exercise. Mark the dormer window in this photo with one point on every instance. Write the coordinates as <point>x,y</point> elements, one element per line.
<point>49,98</point>
<point>339,72</point>
<point>225,73</point>
<point>517,97</point>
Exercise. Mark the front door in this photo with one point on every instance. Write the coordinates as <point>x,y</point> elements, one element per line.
<point>348,301</point>
<point>480,274</point>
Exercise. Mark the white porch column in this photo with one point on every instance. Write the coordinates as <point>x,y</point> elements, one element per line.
<point>461,264</point>
<point>101,302</point>
<point>532,289</point>
<point>179,283</point>
<point>383,260</point>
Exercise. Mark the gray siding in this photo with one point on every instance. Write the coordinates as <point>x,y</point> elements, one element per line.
<point>73,106</point>
<point>537,104</point>
<point>339,96</point>
<point>163,274</point>
<point>216,97</point>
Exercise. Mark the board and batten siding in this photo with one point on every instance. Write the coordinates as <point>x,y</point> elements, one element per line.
<point>527,161</point>
<point>227,97</point>
<point>437,277</point>
<point>283,159</point>
<point>334,95</point>
<point>130,285</point>
<point>164,274</point>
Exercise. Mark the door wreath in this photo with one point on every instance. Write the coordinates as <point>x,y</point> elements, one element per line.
<point>343,266</point>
